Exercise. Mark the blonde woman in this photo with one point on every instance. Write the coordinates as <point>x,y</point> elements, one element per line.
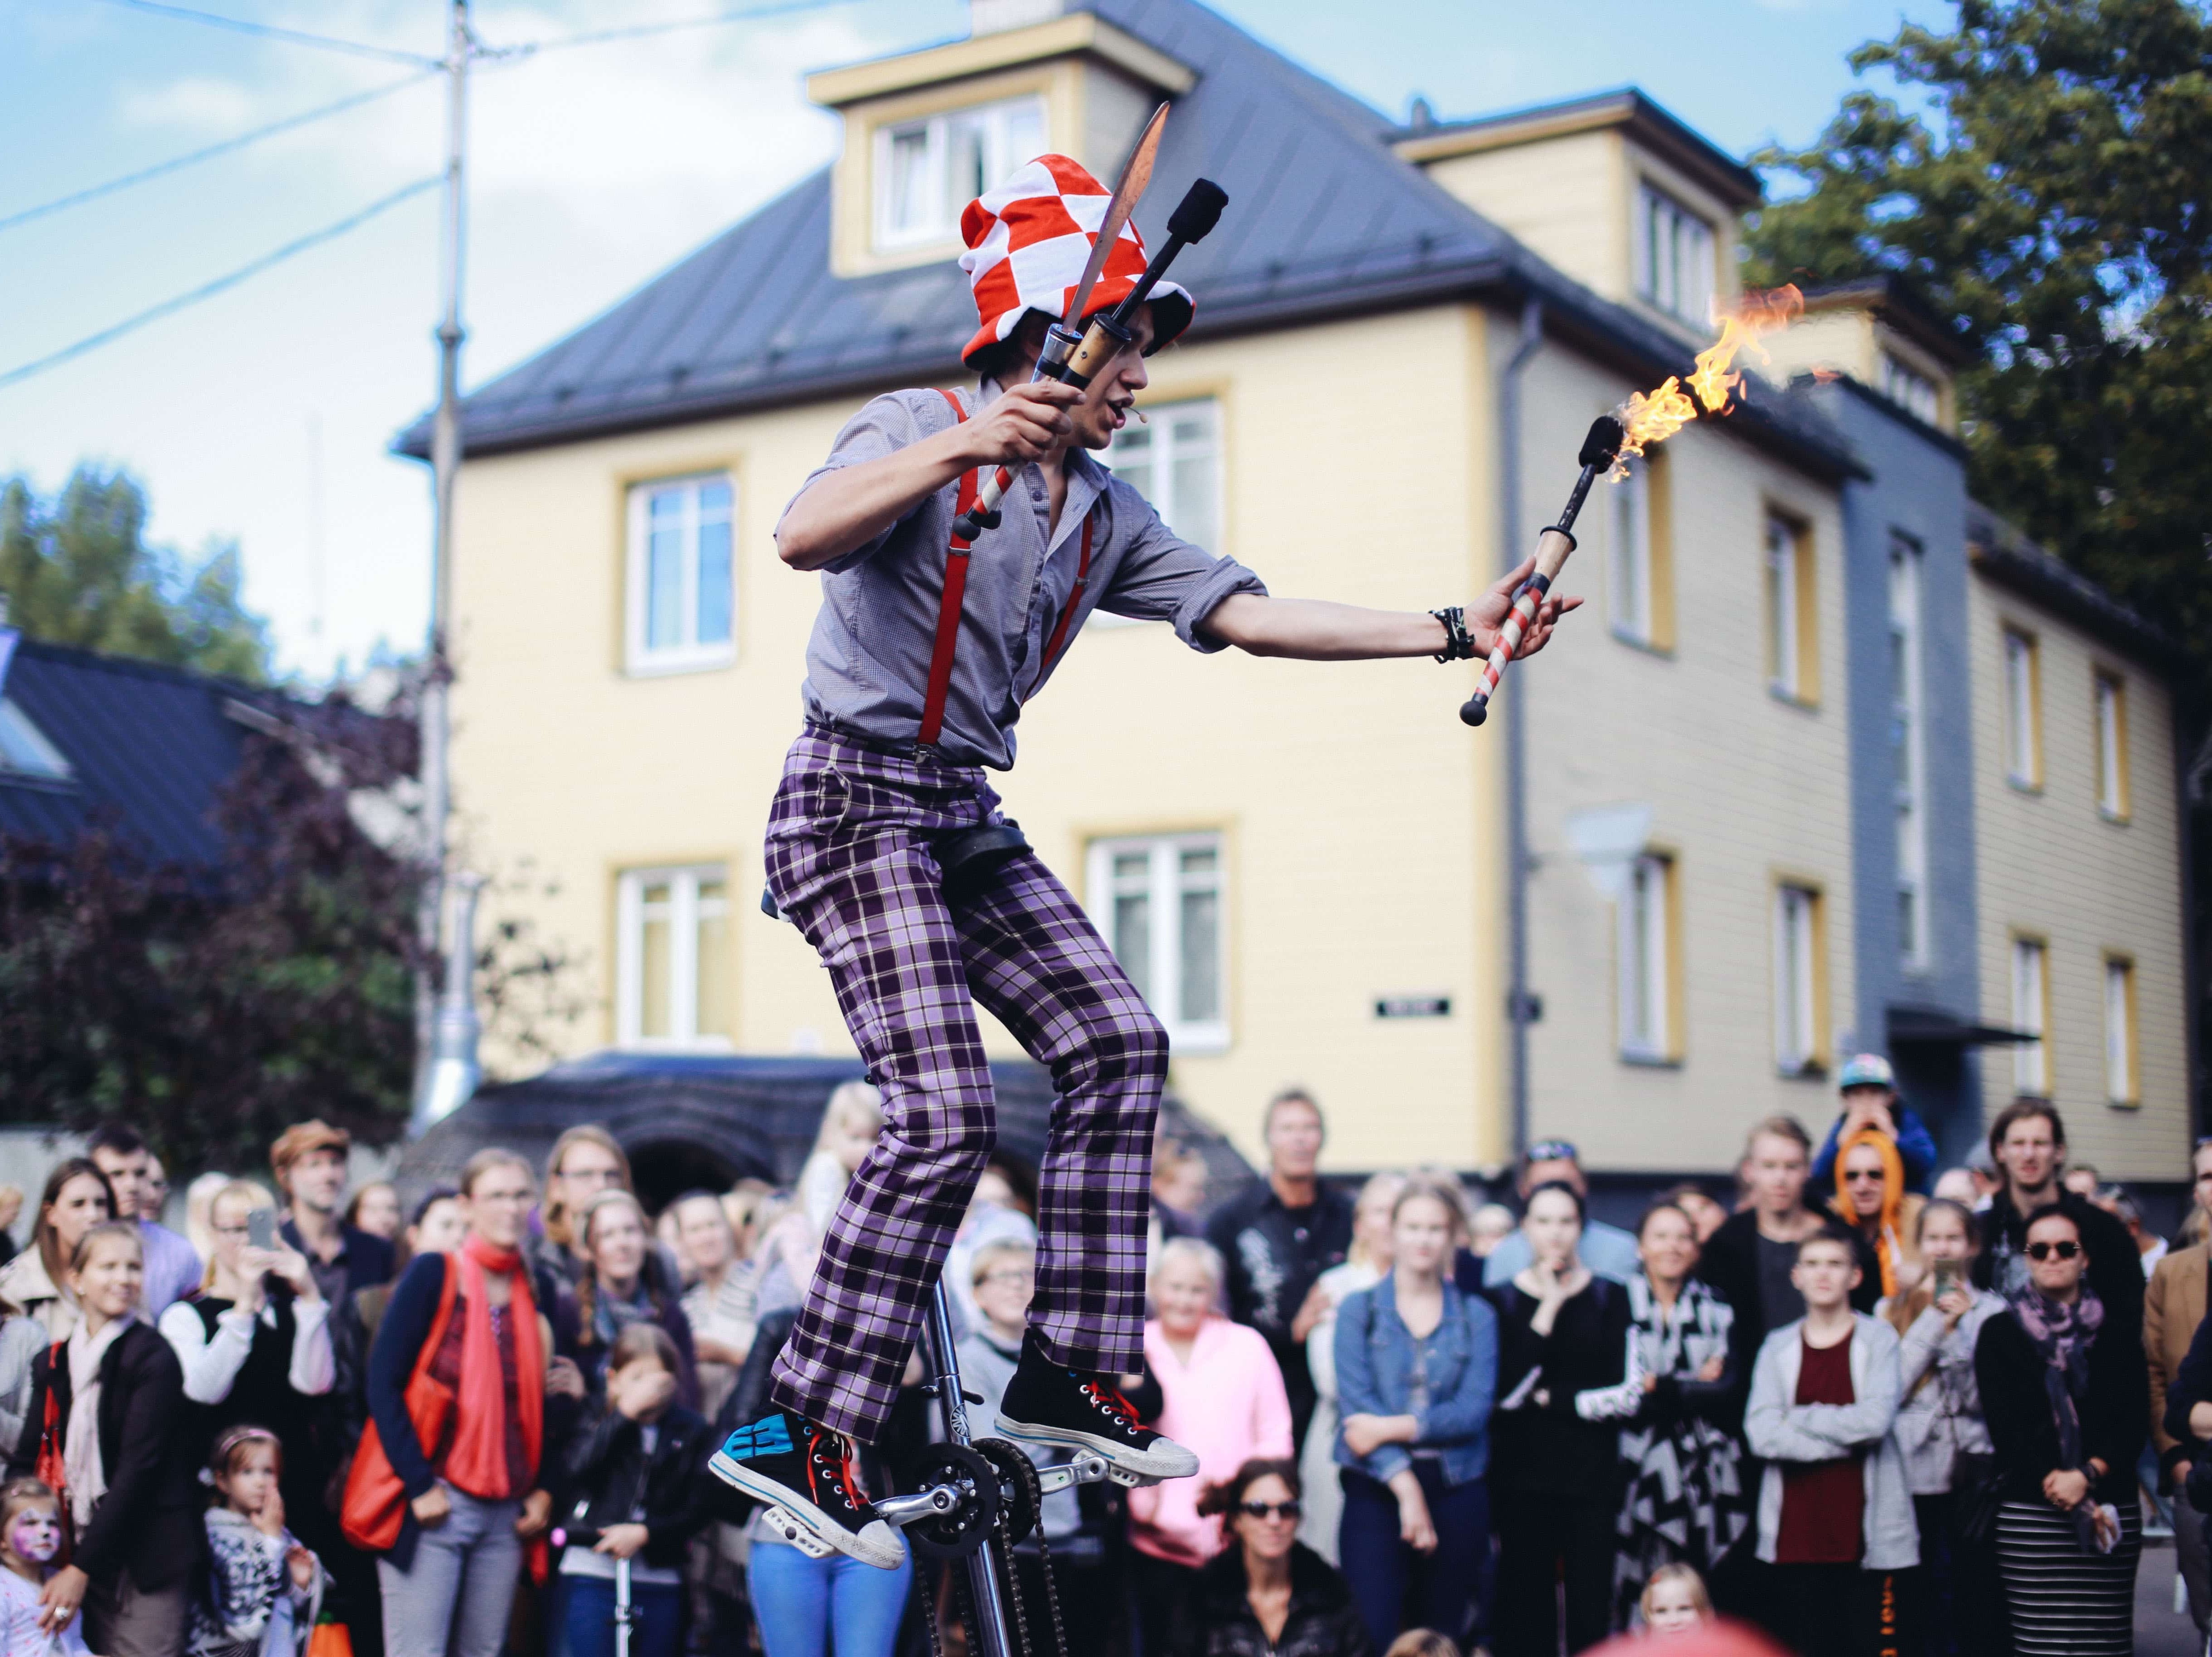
<point>1368,1258</point>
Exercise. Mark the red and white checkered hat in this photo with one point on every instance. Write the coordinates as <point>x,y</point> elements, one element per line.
<point>1028,242</point>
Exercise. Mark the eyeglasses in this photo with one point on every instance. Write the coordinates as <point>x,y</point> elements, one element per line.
<point>1284,1510</point>
<point>1854,1176</point>
<point>2064,1250</point>
<point>1550,1151</point>
<point>1010,1277</point>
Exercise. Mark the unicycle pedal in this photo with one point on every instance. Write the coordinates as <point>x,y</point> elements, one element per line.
<point>786,1525</point>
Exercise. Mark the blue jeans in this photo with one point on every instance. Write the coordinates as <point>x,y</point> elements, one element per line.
<point>802,1605</point>
<point>656,1627</point>
<point>1396,1588</point>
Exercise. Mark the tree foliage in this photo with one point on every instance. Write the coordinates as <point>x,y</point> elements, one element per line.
<point>76,570</point>
<point>215,1007</point>
<point>2053,203</point>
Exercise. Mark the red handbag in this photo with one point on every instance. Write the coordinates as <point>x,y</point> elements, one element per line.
<point>376,1501</point>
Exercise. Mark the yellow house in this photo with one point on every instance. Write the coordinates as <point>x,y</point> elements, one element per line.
<point>1403,333</point>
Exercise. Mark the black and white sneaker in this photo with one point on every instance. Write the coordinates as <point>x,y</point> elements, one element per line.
<point>803,1472</point>
<point>1048,1403</point>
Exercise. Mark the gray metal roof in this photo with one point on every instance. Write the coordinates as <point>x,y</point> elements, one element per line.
<point>2004,554</point>
<point>1323,219</point>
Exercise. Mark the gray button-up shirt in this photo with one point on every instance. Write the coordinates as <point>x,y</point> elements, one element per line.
<point>867,665</point>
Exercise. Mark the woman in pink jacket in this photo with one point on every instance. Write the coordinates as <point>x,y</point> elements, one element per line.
<point>1224,1400</point>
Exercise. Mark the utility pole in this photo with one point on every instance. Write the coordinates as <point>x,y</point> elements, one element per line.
<point>444,468</point>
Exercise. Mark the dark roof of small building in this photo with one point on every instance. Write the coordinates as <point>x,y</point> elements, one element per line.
<point>2004,554</point>
<point>1325,219</point>
<point>1901,305</point>
<point>149,747</point>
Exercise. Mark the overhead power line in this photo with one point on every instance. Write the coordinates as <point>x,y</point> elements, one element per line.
<point>208,290</point>
<point>270,31</point>
<point>93,194</point>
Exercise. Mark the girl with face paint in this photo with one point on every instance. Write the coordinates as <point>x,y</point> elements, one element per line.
<point>30,1542</point>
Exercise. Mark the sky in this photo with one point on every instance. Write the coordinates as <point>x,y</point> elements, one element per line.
<point>263,416</point>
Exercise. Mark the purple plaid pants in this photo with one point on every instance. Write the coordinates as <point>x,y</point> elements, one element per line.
<point>849,860</point>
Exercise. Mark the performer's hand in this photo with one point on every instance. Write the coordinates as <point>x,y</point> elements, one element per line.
<point>1487,614</point>
<point>1026,423</point>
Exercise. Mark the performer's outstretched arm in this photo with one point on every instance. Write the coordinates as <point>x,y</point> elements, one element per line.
<point>1316,631</point>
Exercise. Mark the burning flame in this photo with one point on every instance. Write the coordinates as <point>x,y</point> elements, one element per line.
<point>1650,417</point>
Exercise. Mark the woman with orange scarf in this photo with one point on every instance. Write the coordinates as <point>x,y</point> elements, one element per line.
<point>1871,1199</point>
<point>474,1502</point>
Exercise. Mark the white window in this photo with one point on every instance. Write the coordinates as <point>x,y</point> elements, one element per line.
<point>2120,1031</point>
<point>1908,752</point>
<point>1796,977</point>
<point>1175,462</point>
<point>1631,533</point>
<point>1910,389</point>
<point>2031,1003</point>
<point>24,749</point>
<point>1160,900</point>
<point>681,602</point>
<point>2111,747</point>
<point>1783,668</point>
<point>1644,951</point>
<point>927,170</point>
<point>2023,710</point>
<point>672,958</point>
<point>1674,257</point>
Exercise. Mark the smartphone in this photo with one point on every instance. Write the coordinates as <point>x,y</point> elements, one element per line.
<point>1949,1274</point>
<point>261,1227</point>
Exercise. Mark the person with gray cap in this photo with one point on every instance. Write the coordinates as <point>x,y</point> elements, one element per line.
<point>1870,1100</point>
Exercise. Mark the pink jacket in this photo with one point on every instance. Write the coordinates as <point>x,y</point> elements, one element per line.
<point>1227,1406</point>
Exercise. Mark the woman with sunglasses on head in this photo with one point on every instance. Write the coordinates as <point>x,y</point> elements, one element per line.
<point>2064,1401</point>
<point>1266,1593</point>
<point>1416,1375</point>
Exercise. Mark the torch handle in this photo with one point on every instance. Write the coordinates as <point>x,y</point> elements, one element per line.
<point>1552,548</point>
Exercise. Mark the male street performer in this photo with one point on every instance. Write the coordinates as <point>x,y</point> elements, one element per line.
<point>902,719</point>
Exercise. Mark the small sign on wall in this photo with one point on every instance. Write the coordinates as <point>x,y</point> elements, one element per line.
<point>1412,1006</point>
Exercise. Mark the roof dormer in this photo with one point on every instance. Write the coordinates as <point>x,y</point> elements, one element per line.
<point>1878,332</point>
<point>926,132</point>
<point>1612,190</point>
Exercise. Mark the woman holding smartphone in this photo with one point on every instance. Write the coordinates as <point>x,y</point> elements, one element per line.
<point>1948,1463</point>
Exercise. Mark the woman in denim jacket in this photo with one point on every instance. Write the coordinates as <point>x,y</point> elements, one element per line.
<point>1416,1372</point>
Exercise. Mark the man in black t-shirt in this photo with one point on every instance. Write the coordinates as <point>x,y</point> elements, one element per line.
<point>1277,1238</point>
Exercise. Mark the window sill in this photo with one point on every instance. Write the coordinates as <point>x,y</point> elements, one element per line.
<point>1651,1060</point>
<point>1812,1070</point>
<point>2117,819</point>
<point>1791,698</point>
<point>2021,785</point>
<point>1648,647</point>
<point>1204,1042</point>
<point>666,664</point>
<point>2125,1104</point>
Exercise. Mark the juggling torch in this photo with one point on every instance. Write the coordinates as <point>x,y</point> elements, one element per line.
<point>1599,451</point>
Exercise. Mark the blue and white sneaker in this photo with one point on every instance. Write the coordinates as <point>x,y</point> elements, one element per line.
<point>802,1474</point>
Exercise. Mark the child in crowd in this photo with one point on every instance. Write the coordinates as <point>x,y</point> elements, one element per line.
<point>263,1589</point>
<point>1675,1601</point>
<point>30,1537</point>
<point>634,1480</point>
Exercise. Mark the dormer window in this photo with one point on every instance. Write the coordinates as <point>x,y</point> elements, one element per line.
<point>25,752</point>
<point>1911,390</point>
<point>1674,257</point>
<point>928,169</point>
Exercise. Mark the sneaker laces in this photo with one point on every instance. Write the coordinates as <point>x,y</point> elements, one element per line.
<point>839,1461</point>
<point>1110,1400</point>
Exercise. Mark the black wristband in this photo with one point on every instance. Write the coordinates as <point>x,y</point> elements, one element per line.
<point>1459,645</point>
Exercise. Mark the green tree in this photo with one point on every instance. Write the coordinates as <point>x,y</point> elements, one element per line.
<point>76,570</point>
<point>2052,202</point>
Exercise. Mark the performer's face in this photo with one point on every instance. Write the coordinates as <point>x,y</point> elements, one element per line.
<point>1105,406</point>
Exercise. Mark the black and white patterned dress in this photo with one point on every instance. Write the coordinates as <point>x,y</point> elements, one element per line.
<point>1682,1463</point>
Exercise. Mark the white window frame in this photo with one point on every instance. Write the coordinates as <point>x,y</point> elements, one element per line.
<point>1644,953</point>
<point>687,909</point>
<point>689,654</point>
<point>2031,1006</point>
<point>2121,1085</point>
<point>938,219</point>
<point>25,750</point>
<point>1911,390</point>
<point>1675,257</point>
<point>1165,884</point>
<point>1164,449</point>
<point>1909,749</point>
<point>2023,734</point>
<point>2111,717</point>
<point>1630,568</point>
<point>1785,672</point>
<point>1796,979</point>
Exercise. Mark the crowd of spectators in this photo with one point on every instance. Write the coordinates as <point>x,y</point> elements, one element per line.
<point>1867,1403</point>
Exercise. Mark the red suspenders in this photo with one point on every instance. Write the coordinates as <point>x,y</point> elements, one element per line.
<point>956,590</point>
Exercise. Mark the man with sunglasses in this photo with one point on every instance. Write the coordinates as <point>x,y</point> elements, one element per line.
<point>2029,1143</point>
